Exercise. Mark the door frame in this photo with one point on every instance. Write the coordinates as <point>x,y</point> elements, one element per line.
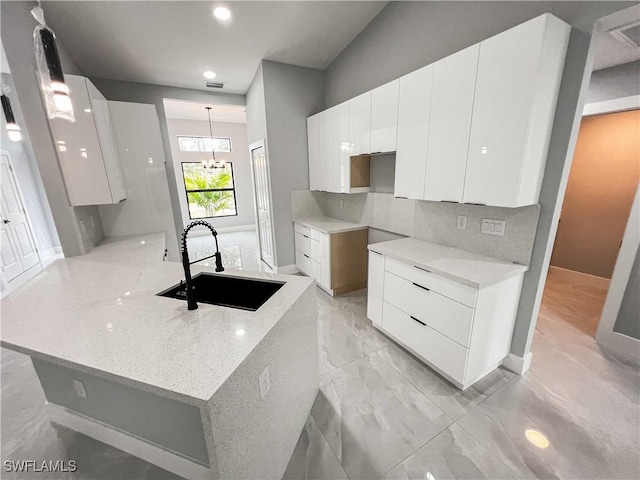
<point>605,334</point>
<point>254,146</point>
<point>32,230</point>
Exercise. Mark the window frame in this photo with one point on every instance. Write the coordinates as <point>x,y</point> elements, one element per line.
<point>204,151</point>
<point>233,189</point>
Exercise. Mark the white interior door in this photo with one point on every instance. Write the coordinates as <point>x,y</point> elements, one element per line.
<point>262,185</point>
<point>18,246</point>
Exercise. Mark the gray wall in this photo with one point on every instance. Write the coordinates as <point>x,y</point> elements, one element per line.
<point>17,25</point>
<point>289,95</point>
<point>155,94</point>
<point>171,424</point>
<point>615,82</point>
<point>628,321</point>
<point>408,35</point>
<point>28,177</point>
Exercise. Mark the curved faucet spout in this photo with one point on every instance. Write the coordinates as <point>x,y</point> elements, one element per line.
<point>186,264</point>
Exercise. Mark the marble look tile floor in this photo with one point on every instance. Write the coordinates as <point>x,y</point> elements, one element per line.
<point>380,413</point>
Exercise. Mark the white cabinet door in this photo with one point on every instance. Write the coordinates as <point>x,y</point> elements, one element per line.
<point>375,285</point>
<point>384,117</point>
<point>326,151</point>
<point>454,81</point>
<point>413,132</point>
<point>519,73</point>
<point>341,165</point>
<point>313,143</point>
<point>360,124</point>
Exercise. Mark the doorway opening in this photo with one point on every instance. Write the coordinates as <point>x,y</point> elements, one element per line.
<point>599,204</point>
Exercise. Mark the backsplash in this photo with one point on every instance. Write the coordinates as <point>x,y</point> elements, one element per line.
<point>431,221</point>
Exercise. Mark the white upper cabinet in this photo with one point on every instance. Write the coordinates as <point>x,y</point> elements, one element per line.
<point>86,148</point>
<point>341,148</point>
<point>313,139</point>
<point>384,117</point>
<point>518,79</point>
<point>326,150</point>
<point>360,124</point>
<point>454,81</point>
<point>414,106</point>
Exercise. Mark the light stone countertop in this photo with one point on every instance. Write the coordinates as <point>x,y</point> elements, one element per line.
<point>465,267</point>
<point>99,313</point>
<point>329,225</point>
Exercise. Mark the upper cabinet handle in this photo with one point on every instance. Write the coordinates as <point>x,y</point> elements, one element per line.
<point>419,321</point>
<point>305,236</point>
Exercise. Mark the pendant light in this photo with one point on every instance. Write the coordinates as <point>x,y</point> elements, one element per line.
<point>213,163</point>
<point>54,88</point>
<point>13,130</point>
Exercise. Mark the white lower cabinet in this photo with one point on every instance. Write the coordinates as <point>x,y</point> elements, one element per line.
<point>462,332</point>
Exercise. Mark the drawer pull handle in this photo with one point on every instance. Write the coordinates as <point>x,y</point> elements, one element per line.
<point>420,286</point>
<point>305,236</point>
<point>423,269</point>
<point>306,255</point>
<point>419,321</point>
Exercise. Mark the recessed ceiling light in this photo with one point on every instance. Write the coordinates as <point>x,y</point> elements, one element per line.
<point>209,75</point>
<point>222,13</point>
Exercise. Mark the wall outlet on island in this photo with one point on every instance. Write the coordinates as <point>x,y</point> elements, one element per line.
<point>79,388</point>
<point>462,222</point>
<point>265,382</point>
<point>341,203</point>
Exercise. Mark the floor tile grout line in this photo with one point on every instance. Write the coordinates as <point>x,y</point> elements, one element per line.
<point>416,450</point>
<point>329,445</point>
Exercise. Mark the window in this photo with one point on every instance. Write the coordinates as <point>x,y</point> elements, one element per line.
<point>210,192</point>
<point>203,144</point>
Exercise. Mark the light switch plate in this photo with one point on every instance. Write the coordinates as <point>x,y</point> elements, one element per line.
<point>493,227</point>
<point>265,382</point>
<point>462,222</point>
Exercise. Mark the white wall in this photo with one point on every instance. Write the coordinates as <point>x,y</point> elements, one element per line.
<point>239,157</point>
<point>147,208</point>
<point>615,82</point>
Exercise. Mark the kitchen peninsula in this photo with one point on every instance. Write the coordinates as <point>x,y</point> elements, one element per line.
<point>215,392</point>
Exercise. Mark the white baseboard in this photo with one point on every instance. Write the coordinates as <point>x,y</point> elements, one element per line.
<point>51,255</point>
<point>595,277</point>
<point>287,270</point>
<point>135,446</point>
<point>203,231</point>
<point>517,364</point>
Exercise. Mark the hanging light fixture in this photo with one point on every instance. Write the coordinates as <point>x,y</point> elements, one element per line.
<point>54,88</point>
<point>213,163</point>
<point>13,130</point>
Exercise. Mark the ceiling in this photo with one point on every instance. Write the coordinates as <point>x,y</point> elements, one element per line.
<point>174,42</point>
<point>611,50</point>
<point>182,110</point>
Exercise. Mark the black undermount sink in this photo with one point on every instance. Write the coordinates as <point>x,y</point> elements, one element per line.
<point>227,291</point>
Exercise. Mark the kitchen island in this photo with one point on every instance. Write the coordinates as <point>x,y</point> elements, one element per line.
<point>177,388</point>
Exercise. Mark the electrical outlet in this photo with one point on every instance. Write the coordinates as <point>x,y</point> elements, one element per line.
<point>493,227</point>
<point>79,387</point>
<point>462,222</point>
<point>341,203</point>
<point>265,382</point>
<point>83,227</point>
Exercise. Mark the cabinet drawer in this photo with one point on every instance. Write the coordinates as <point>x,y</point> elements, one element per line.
<point>441,352</point>
<point>447,316</point>
<point>454,290</point>
<point>303,262</point>
<point>316,235</point>
<point>316,250</point>
<point>303,243</point>
<point>301,229</point>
